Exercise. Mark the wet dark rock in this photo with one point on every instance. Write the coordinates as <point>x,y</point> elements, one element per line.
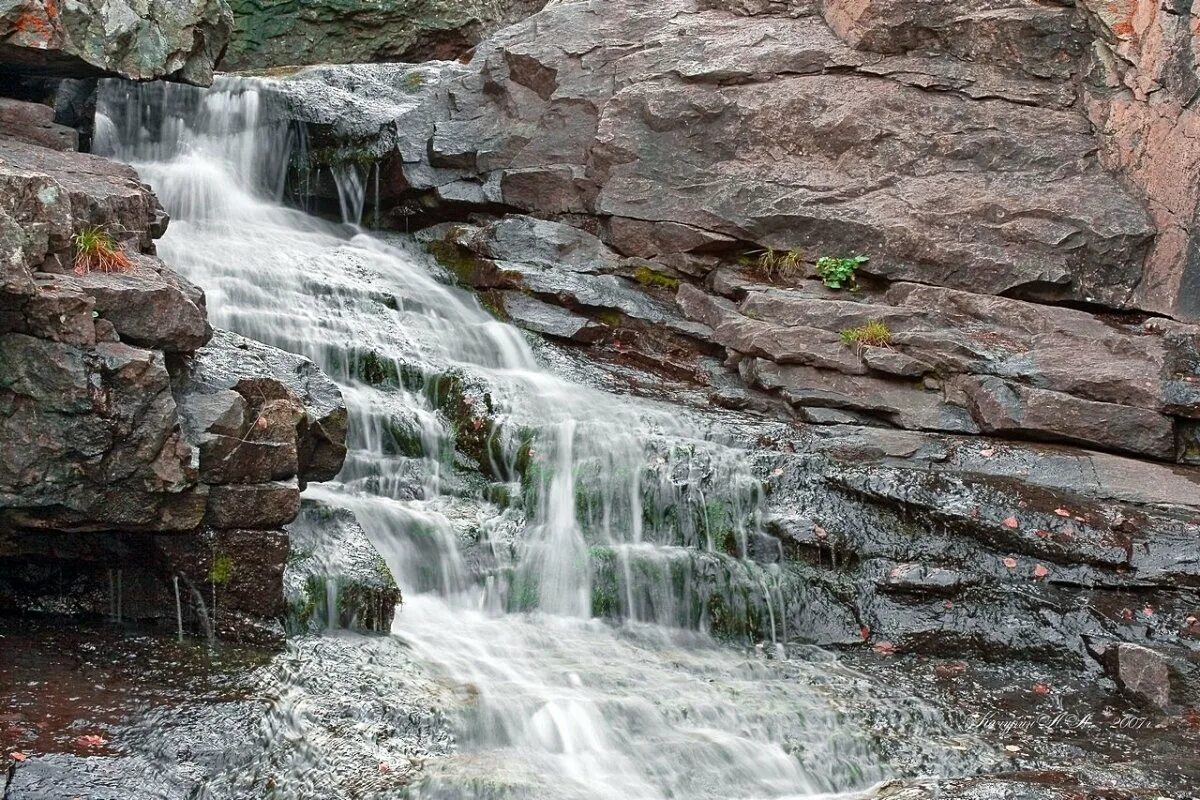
<point>534,315</point>
<point>253,505</point>
<point>335,566</point>
<point>174,41</point>
<point>231,582</point>
<point>66,775</point>
<point>924,579</point>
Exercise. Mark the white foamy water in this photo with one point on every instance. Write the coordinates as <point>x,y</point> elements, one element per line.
<point>622,510</point>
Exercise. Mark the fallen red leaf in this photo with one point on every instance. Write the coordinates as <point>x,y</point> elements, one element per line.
<point>820,532</point>
<point>988,452</point>
<point>1011,522</point>
<point>947,605</point>
<point>1010,562</point>
<point>1148,611</point>
<point>17,755</point>
<point>1127,614</point>
<point>1040,571</point>
<point>864,632</point>
<point>1062,512</point>
<point>885,649</point>
<point>91,740</point>
<point>1041,688</point>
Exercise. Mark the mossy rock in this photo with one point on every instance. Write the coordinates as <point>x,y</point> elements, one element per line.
<point>458,260</point>
<point>652,277</point>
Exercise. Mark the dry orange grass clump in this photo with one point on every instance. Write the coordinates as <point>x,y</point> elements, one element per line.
<point>96,249</point>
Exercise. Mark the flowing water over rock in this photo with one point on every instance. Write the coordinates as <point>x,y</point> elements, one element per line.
<point>566,554</point>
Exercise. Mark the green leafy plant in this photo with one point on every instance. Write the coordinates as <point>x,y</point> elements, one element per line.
<point>96,249</point>
<point>775,265</point>
<point>873,334</point>
<point>838,273</point>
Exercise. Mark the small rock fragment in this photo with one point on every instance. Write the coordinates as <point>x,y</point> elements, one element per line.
<point>950,669</point>
<point>1142,672</point>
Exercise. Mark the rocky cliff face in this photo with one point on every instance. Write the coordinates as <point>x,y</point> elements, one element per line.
<point>137,447</point>
<point>177,40</point>
<point>1140,91</point>
<point>277,33</point>
<point>950,151</point>
<point>617,173</point>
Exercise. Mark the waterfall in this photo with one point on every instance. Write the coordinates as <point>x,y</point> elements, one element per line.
<point>616,508</point>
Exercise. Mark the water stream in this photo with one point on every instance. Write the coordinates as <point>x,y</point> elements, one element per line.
<point>567,578</point>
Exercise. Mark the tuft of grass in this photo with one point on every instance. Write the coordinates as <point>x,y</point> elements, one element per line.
<point>96,249</point>
<point>413,82</point>
<point>775,265</point>
<point>873,334</point>
<point>838,273</point>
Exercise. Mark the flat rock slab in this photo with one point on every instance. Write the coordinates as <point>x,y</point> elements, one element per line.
<point>534,315</point>
<point>34,123</point>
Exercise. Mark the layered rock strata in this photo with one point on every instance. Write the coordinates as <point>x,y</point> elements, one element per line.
<point>1009,473</point>
<point>143,458</point>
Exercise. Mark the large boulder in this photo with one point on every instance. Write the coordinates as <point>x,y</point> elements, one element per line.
<point>181,40</point>
<point>275,33</point>
<point>260,414</point>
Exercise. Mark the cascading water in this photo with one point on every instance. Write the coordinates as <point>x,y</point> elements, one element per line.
<point>595,506</point>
